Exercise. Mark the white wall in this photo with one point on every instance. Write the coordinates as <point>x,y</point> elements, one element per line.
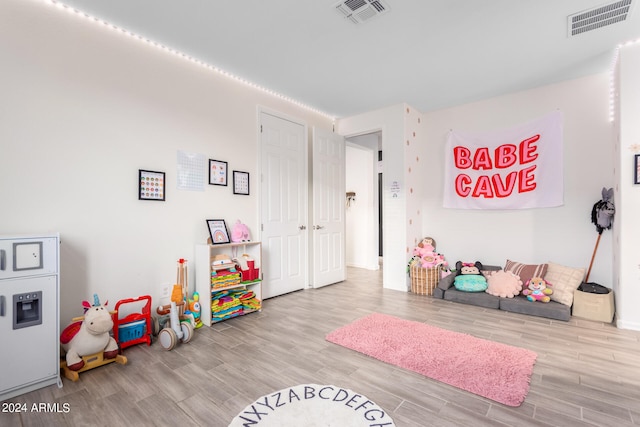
<point>361,223</point>
<point>563,235</point>
<point>82,109</point>
<point>626,226</point>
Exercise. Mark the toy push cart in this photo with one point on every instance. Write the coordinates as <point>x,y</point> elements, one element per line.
<point>134,328</point>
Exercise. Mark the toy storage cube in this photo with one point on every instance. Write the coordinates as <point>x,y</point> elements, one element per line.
<point>598,307</point>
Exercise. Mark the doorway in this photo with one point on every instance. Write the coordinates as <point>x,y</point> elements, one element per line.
<point>364,211</point>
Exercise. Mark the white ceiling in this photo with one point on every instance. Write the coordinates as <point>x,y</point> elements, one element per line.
<point>431,54</point>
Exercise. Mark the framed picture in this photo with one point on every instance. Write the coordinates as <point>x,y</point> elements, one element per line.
<point>636,169</point>
<point>241,183</point>
<point>150,185</point>
<point>217,172</point>
<point>218,231</point>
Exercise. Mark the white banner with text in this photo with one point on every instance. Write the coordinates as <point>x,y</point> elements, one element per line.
<point>515,168</point>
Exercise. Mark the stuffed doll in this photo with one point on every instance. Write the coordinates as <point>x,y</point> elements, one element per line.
<point>537,289</point>
<point>469,277</point>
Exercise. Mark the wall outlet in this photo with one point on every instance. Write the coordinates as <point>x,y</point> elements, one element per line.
<point>166,290</point>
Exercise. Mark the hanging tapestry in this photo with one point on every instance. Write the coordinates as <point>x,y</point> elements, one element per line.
<point>515,168</point>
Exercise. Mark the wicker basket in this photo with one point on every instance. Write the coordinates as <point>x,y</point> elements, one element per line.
<point>424,280</point>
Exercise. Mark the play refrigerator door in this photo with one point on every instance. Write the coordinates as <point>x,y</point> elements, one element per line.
<point>29,320</point>
<point>28,331</point>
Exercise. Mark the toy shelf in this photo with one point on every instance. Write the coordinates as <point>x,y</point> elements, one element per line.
<point>208,294</point>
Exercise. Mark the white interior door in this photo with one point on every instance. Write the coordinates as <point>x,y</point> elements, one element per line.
<point>283,205</point>
<point>328,227</point>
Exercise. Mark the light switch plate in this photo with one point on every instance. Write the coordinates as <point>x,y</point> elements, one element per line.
<point>27,256</point>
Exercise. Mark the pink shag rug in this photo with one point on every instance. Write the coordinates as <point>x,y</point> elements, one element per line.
<point>496,371</point>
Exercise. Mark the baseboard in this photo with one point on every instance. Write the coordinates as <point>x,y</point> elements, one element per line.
<point>621,324</point>
<point>366,267</point>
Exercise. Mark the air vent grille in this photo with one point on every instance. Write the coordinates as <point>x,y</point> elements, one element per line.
<point>599,17</point>
<point>361,11</point>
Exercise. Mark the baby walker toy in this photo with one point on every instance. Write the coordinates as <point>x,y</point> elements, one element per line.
<point>179,326</point>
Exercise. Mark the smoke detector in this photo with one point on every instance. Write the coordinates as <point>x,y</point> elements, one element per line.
<point>361,11</point>
<point>598,17</point>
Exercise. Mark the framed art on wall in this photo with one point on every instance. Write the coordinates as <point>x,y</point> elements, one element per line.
<point>217,172</point>
<point>636,169</point>
<point>150,185</point>
<point>241,183</point>
<point>218,231</point>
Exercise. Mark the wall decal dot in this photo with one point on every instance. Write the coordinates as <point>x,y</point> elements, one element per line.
<point>411,190</point>
<point>417,158</point>
<point>410,222</point>
<point>409,170</point>
<point>414,134</point>
<point>418,119</point>
<point>408,110</point>
<point>418,211</point>
<point>408,143</point>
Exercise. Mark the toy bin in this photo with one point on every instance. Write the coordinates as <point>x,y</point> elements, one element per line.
<point>590,306</point>
<point>424,280</point>
<point>131,331</point>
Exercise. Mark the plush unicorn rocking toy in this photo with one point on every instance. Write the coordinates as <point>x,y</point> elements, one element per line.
<point>87,342</point>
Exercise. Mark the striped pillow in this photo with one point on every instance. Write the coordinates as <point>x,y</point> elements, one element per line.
<point>526,271</point>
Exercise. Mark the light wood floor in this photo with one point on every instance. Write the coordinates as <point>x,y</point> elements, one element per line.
<point>587,373</point>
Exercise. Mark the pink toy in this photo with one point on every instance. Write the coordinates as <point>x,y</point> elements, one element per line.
<point>240,232</point>
<point>538,289</point>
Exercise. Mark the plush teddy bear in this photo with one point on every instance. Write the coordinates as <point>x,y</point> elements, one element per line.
<point>537,289</point>
<point>469,277</point>
<point>503,284</point>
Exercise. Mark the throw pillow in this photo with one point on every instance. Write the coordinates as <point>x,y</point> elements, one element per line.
<point>503,284</point>
<point>470,283</point>
<point>564,281</point>
<point>525,271</point>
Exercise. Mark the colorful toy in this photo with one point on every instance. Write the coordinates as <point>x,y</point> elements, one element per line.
<point>134,328</point>
<point>469,277</point>
<point>194,308</point>
<point>87,342</point>
<point>425,255</point>
<point>179,326</point>
<point>537,289</point>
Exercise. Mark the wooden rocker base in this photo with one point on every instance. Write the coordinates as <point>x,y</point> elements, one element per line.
<point>90,362</point>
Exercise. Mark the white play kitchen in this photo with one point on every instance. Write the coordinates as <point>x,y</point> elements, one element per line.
<point>29,313</point>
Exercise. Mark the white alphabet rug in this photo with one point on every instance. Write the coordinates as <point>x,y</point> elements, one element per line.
<point>313,405</point>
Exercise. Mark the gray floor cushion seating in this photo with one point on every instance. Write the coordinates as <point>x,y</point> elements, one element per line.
<point>518,304</point>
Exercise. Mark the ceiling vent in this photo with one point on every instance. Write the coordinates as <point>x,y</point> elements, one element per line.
<point>361,11</point>
<point>599,17</point>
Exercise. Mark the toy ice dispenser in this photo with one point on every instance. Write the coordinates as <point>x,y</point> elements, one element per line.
<point>27,309</point>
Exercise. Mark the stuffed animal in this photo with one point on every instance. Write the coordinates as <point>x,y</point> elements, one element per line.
<point>503,284</point>
<point>469,277</point>
<point>428,242</point>
<point>537,289</point>
<point>89,336</point>
<point>468,268</point>
<point>240,232</point>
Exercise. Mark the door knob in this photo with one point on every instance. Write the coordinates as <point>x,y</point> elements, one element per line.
<point>317,227</point>
<point>303,227</point>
